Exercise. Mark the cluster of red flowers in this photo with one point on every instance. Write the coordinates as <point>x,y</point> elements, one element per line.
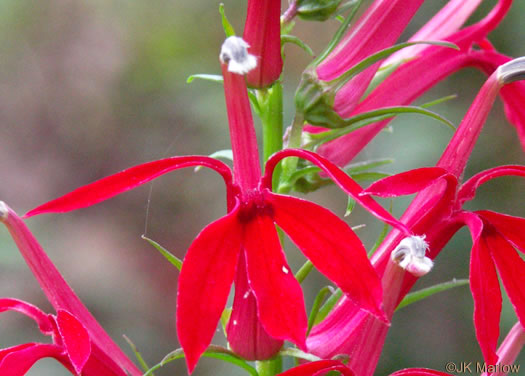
<point>244,247</point>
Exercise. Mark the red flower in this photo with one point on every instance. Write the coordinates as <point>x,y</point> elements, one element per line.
<point>262,32</point>
<point>247,233</point>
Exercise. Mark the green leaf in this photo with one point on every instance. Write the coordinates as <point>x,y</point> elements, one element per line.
<point>298,42</point>
<point>317,305</point>
<point>206,77</point>
<point>429,291</point>
<point>303,272</point>
<point>296,353</point>
<point>367,165</point>
<point>439,101</point>
<point>328,306</point>
<point>138,355</point>
<point>226,25</point>
<point>371,175</point>
<point>174,260</point>
<point>350,205</point>
<point>374,58</point>
<point>213,351</point>
<point>224,154</point>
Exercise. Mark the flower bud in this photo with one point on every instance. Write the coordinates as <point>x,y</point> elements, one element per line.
<point>317,10</point>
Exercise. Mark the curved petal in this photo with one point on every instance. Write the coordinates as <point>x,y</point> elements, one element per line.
<point>315,368</point>
<point>512,228</point>
<point>408,182</point>
<point>419,372</point>
<point>41,318</point>
<point>332,247</point>
<point>123,181</point>
<point>279,296</point>
<point>17,360</point>
<point>204,284</point>
<point>75,338</point>
<point>345,182</point>
<point>468,189</point>
<point>511,269</point>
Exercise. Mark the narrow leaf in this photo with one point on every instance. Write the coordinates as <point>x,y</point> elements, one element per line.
<point>303,272</point>
<point>328,306</point>
<point>297,41</point>
<point>296,353</point>
<point>367,165</point>
<point>138,355</point>
<point>429,291</point>
<point>226,25</point>
<point>350,205</point>
<point>318,301</point>
<point>174,260</point>
<point>207,77</point>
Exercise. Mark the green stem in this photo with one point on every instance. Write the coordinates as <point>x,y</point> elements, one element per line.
<point>289,165</point>
<point>270,367</point>
<point>271,113</point>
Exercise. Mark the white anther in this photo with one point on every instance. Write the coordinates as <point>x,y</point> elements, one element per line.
<point>410,255</point>
<point>234,52</point>
<point>4,211</point>
<point>511,71</point>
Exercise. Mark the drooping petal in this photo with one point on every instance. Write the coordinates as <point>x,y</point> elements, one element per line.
<point>345,182</point>
<point>406,183</point>
<point>468,189</point>
<point>75,338</point>
<point>512,228</point>
<point>17,360</point>
<point>245,332</point>
<point>279,296</point>
<point>60,294</point>
<point>41,318</point>
<point>318,368</point>
<point>123,181</point>
<point>204,284</point>
<point>419,372</point>
<point>486,293</point>
<point>511,269</point>
<point>332,247</point>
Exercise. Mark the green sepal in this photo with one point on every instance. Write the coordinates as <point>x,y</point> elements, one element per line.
<point>286,38</point>
<point>296,353</point>
<point>350,205</point>
<point>207,77</point>
<point>317,10</point>
<point>138,355</point>
<point>213,351</point>
<point>174,260</point>
<point>318,301</point>
<point>226,25</point>
<point>429,291</point>
<point>328,306</point>
<point>303,272</point>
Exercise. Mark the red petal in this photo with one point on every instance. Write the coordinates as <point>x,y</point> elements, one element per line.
<point>204,284</point>
<point>279,296</point>
<point>315,368</point>
<point>123,181</point>
<point>29,310</point>
<point>486,293</point>
<point>512,228</point>
<point>406,183</point>
<point>75,338</point>
<point>345,182</point>
<point>511,269</point>
<point>332,247</point>
<point>419,372</point>
<point>17,360</point>
<point>468,189</point>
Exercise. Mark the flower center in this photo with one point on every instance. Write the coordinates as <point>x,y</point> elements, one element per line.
<point>253,204</point>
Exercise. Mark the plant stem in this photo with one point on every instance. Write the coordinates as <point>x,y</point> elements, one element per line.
<point>270,367</point>
<point>289,165</point>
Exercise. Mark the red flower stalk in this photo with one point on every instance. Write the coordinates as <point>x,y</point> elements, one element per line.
<point>262,32</point>
<point>248,229</point>
<point>103,358</point>
<point>431,65</point>
<point>436,213</point>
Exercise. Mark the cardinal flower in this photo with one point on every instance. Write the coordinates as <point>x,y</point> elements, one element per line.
<point>430,64</point>
<point>247,233</point>
<point>79,342</point>
<point>437,213</point>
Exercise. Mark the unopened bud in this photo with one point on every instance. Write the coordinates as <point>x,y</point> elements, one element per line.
<point>234,52</point>
<point>410,255</point>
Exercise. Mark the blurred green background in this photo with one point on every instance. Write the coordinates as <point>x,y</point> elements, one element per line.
<point>88,88</point>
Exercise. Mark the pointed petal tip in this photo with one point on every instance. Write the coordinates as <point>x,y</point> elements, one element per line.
<point>512,71</point>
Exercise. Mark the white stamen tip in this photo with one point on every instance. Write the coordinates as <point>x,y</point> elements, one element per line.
<point>234,52</point>
<point>410,255</point>
<point>511,71</point>
<point>4,211</point>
